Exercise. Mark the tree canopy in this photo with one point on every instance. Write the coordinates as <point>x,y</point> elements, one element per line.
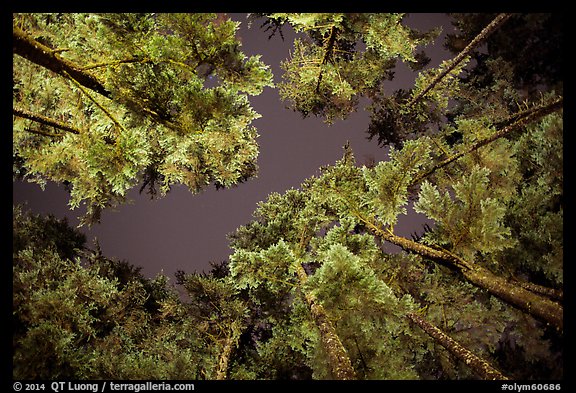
<point>105,102</point>
<point>309,290</point>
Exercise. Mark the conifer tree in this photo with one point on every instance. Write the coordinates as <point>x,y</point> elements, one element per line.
<point>80,315</point>
<point>465,175</point>
<point>277,268</point>
<point>221,313</point>
<point>461,56</point>
<point>343,57</point>
<point>105,102</point>
<point>334,218</point>
<point>343,259</point>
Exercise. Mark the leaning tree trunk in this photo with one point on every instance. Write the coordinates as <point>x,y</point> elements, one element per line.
<point>340,364</point>
<point>532,303</point>
<point>480,366</point>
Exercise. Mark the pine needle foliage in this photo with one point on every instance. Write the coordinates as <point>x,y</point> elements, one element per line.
<point>171,108</point>
<point>310,289</point>
<point>340,58</point>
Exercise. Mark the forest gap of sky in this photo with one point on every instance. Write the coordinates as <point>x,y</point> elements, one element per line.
<point>183,231</point>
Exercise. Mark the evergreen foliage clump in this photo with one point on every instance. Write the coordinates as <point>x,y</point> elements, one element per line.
<point>106,102</point>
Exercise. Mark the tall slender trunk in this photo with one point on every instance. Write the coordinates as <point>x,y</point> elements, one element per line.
<point>224,357</point>
<point>480,366</point>
<point>489,29</point>
<point>340,364</point>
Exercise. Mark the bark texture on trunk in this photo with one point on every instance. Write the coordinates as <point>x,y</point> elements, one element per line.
<point>532,303</point>
<point>224,358</point>
<point>340,364</point>
<point>480,366</point>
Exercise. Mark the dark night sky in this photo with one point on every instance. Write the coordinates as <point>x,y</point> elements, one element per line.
<point>183,231</point>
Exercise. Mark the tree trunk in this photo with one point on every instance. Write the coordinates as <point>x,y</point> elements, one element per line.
<point>492,26</point>
<point>480,366</point>
<point>224,358</point>
<point>530,298</point>
<point>536,305</point>
<point>27,47</point>
<point>340,364</point>
<point>554,294</point>
<point>532,303</point>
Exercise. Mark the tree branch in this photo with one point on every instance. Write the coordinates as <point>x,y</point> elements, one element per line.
<point>44,133</point>
<point>525,118</point>
<point>492,26</point>
<point>27,47</point>
<point>540,307</point>
<point>116,62</point>
<point>83,90</point>
<point>327,51</point>
<point>480,366</point>
<point>141,60</point>
<point>48,121</point>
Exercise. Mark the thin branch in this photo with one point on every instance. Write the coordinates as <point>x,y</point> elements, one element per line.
<point>43,133</point>
<point>527,117</point>
<point>317,27</point>
<point>552,293</point>
<point>141,60</point>
<point>267,277</point>
<point>83,90</point>
<point>327,51</point>
<point>492,26</point>
<point>48,121</point>
<point>115,63</point>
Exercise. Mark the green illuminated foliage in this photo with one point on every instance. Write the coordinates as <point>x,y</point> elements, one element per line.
<point>342,57</point>
<point>474,221</point>
<point>170,104</point>
<point>388,181</point>
<point>94,318</point>
<point>311,288</point>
